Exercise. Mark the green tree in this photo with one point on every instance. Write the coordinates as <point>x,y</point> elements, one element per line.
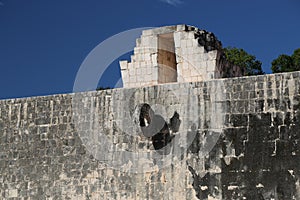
<point>286,63</point>
<point>246,61</point>
<point>283,63</point>
<point>296,59</point>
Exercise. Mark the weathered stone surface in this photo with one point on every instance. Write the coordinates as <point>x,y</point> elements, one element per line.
<point>236,140</point>
<point>176,54</point>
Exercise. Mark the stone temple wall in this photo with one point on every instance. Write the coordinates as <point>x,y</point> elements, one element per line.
<point>226,139</point>
<point>176,54</point>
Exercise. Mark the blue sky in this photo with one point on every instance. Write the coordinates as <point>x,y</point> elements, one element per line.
<point>43,43</point>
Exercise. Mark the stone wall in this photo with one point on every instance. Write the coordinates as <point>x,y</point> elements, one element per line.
<point>238,139</point>
<point>176,54</point>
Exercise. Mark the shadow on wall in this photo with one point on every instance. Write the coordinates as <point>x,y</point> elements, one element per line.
<point>158,129</point>
<point>271,158</point>
<point>265,164</point>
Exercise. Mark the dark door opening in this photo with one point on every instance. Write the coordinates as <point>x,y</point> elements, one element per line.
<point>167,66</point>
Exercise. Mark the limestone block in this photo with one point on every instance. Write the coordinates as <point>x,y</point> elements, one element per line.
<point>183,43</point>
<point>194,58</point>
<point>147,32</point>
<point>197,58</point>
<point>177,39</point>
<point>139,78</point>
<point>212,55</point>
<point>149,64</point>
<point>185,66</point>
<point>179,59</point>
<point>149,42</point>
<point>137,50</point>
<point>205,56</point>
<point>210,75</point>
<point>155,73</point>
<point>125,75</point>
<point>181,27</point>
<point>148,78</point>
<point>133,58</point>
<point>202,68</point>
<point>154,58</point>
<point>132,79</point>
<point>198,50</point>
<point>184,51</point>
<point>200,65</point>
<point>129,65</point>
<point>143,70</point>
<point>145,41</point>
<point>200,78</point>
<point>179,67</point>
<point>130,84</point>
<point>133,84</point>
<point>141,57</point>
<point>147,57</point>
<point>186,79</point>
<point>164,30</point>
<point>180,78</point>
<point>194,71</point>
<point>135,65</point>
<point>211,65</point>
<point>146,50</point>
<point>142,64</point>
<point>138,42</point>
<point>195,43</point>
<point>191,66</point>
<point>187,73</point>
<point>123,64</point>
<point>13,193</point>
<point>178,50</point>
<point>194,78</point>
<point>189,50</point>
<point>132,72</point>
<point>190,35</point>
<point>149,70</point>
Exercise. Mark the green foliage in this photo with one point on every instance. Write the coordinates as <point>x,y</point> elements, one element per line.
<point>246,61</point>
<point>283,63</point>
<point>286,63</point>
<point>296,59</point>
